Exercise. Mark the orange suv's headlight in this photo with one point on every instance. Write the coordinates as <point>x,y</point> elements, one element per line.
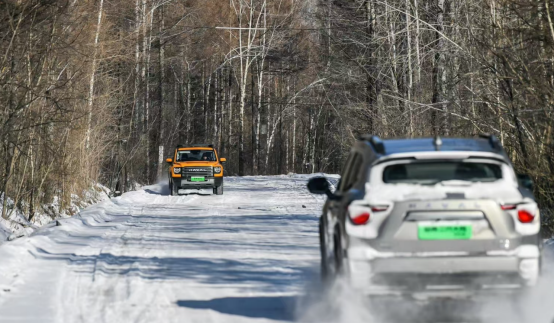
<point>177,170</point>
<point>217,170</point>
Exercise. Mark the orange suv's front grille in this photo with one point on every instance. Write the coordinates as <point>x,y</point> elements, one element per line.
<point>197,171</point>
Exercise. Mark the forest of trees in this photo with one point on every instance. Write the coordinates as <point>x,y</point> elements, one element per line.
<point>90,89</point>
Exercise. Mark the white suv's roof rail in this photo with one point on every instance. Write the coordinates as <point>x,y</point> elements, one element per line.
<point>484,143</point>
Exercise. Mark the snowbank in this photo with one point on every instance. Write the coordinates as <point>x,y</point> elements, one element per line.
<point>17,225</point>
<point>4,231</point>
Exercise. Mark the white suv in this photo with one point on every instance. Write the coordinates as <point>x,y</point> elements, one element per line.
<point>424,214</point>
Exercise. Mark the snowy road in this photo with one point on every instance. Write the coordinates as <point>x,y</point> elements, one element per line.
<point>148,257</point>
<point>250,255</point>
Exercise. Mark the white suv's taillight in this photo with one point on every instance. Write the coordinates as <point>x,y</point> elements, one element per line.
<point>507,207</point>
<point>360,219</point>
<point>361,214</point>
<point>525,216</point>
<point>379,208</point>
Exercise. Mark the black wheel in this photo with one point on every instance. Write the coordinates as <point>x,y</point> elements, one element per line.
<point>325,272</point>
<point>218,190</point>
<point>174,189</point>
<point>331,260</point>
<point>339,254</point>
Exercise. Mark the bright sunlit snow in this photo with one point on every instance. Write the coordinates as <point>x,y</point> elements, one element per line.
<point>250,255</point>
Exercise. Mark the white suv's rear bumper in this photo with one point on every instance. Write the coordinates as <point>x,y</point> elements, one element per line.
<point>522,266</point>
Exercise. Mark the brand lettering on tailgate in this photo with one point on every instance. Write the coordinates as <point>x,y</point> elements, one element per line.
<point>444,206</point>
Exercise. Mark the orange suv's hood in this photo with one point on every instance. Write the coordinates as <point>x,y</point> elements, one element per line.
<point>196,164</point>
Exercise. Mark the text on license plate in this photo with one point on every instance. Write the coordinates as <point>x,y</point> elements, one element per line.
<point>444,232</point>
<point>197,179</point>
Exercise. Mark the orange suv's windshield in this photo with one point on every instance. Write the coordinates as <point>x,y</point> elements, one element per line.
<point>195,155</point>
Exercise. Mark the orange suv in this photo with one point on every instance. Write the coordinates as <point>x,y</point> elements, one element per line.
<point>195,167</point>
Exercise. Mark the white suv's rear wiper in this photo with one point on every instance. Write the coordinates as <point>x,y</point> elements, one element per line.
<point>456,182</point>
<point>461,182</point>
<point>428,182</point>
<point>449,182</point>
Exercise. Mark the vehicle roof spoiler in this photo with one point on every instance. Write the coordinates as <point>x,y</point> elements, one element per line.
<point>493,141</point>
<point>375,142</point>
<point>379,147</point>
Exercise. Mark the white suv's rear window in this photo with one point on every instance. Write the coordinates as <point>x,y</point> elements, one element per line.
<point>431,172</point>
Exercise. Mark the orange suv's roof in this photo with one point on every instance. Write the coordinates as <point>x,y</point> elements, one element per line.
<point>195,148</point>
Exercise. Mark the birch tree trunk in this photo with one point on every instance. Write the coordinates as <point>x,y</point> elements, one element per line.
<point>147,130</point>
<point>246,57</point>
<point>216,103</point>
<point>287,144</point>
<point>161,57</point>
<point>93,74</point>
<point>230,113</point>
<point>439,76</point>
<point>253,124</point>
<point>244,66</point>
<point>242,85</point>
<point>269,137</point>
<point>311,141</point>
<point>417,37</point>
<point>258,117</point>
<point>207,104</point>
<point>147,29</point>
<point>294,135</point>
<point>265,48</point>
<point>410,69</point>
<point>371,87</point>
<point>315,140</point>
<point>135,114</point>
<point>189,103</point>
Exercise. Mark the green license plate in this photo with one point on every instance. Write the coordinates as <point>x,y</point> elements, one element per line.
<point>444,232</point>
<point>197,179</point>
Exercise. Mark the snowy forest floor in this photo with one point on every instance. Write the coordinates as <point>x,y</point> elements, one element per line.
<point>250,255</point>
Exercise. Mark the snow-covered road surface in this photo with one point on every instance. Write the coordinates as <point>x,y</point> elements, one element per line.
<point>149,257</point>
<point>250,255</point>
